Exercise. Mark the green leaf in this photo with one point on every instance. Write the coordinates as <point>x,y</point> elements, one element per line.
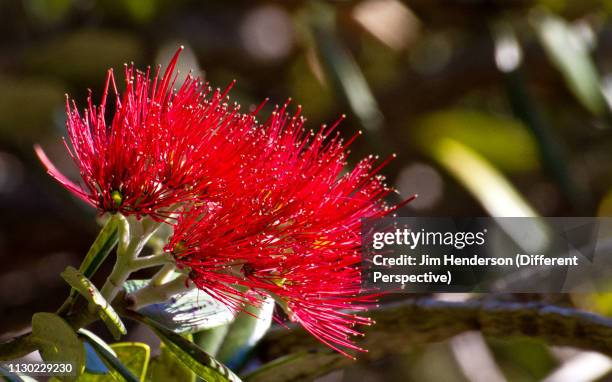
<point>93,363</point>
<point>187,312</point>
<point>110,357</point>
<point>202,364</point>
<point>167,367</point>
<point>135,356</point>
<point>88,290</point>
<point>210,340</point>
<point>296,367</point>
<point>111,376</point>
<point>107,239</point>
<point>245,332</point>
<point>570,54</point>
<point>96,369</point>
<point>57,341</point>
<point>98,252</point>
<point>99,342</point>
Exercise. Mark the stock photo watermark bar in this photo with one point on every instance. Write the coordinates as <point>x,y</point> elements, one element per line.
<point>515,255</point>
<point>36,369</point>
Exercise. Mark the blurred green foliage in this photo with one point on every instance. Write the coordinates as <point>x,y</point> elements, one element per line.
<point>501,140</point>
<point>28,107</point>
<point>83,57</point>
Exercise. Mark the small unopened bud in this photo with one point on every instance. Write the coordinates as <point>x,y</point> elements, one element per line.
<point>117,198</point>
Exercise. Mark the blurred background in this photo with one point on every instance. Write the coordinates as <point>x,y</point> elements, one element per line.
<point>493,107</point>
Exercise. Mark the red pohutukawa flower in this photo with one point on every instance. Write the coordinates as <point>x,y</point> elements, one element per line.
<point>261,209</point>
<point>289,226</point>
<point>156,152</point>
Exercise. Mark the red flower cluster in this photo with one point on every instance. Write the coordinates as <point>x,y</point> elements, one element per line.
<point>289,226</point>
<point>161,149</point>
<point>259,207</point>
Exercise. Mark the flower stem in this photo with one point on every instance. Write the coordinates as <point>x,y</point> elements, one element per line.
<point>162,275</point>
<point>152,294</point>
<point>133,236</point>
<point>151,261</point>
